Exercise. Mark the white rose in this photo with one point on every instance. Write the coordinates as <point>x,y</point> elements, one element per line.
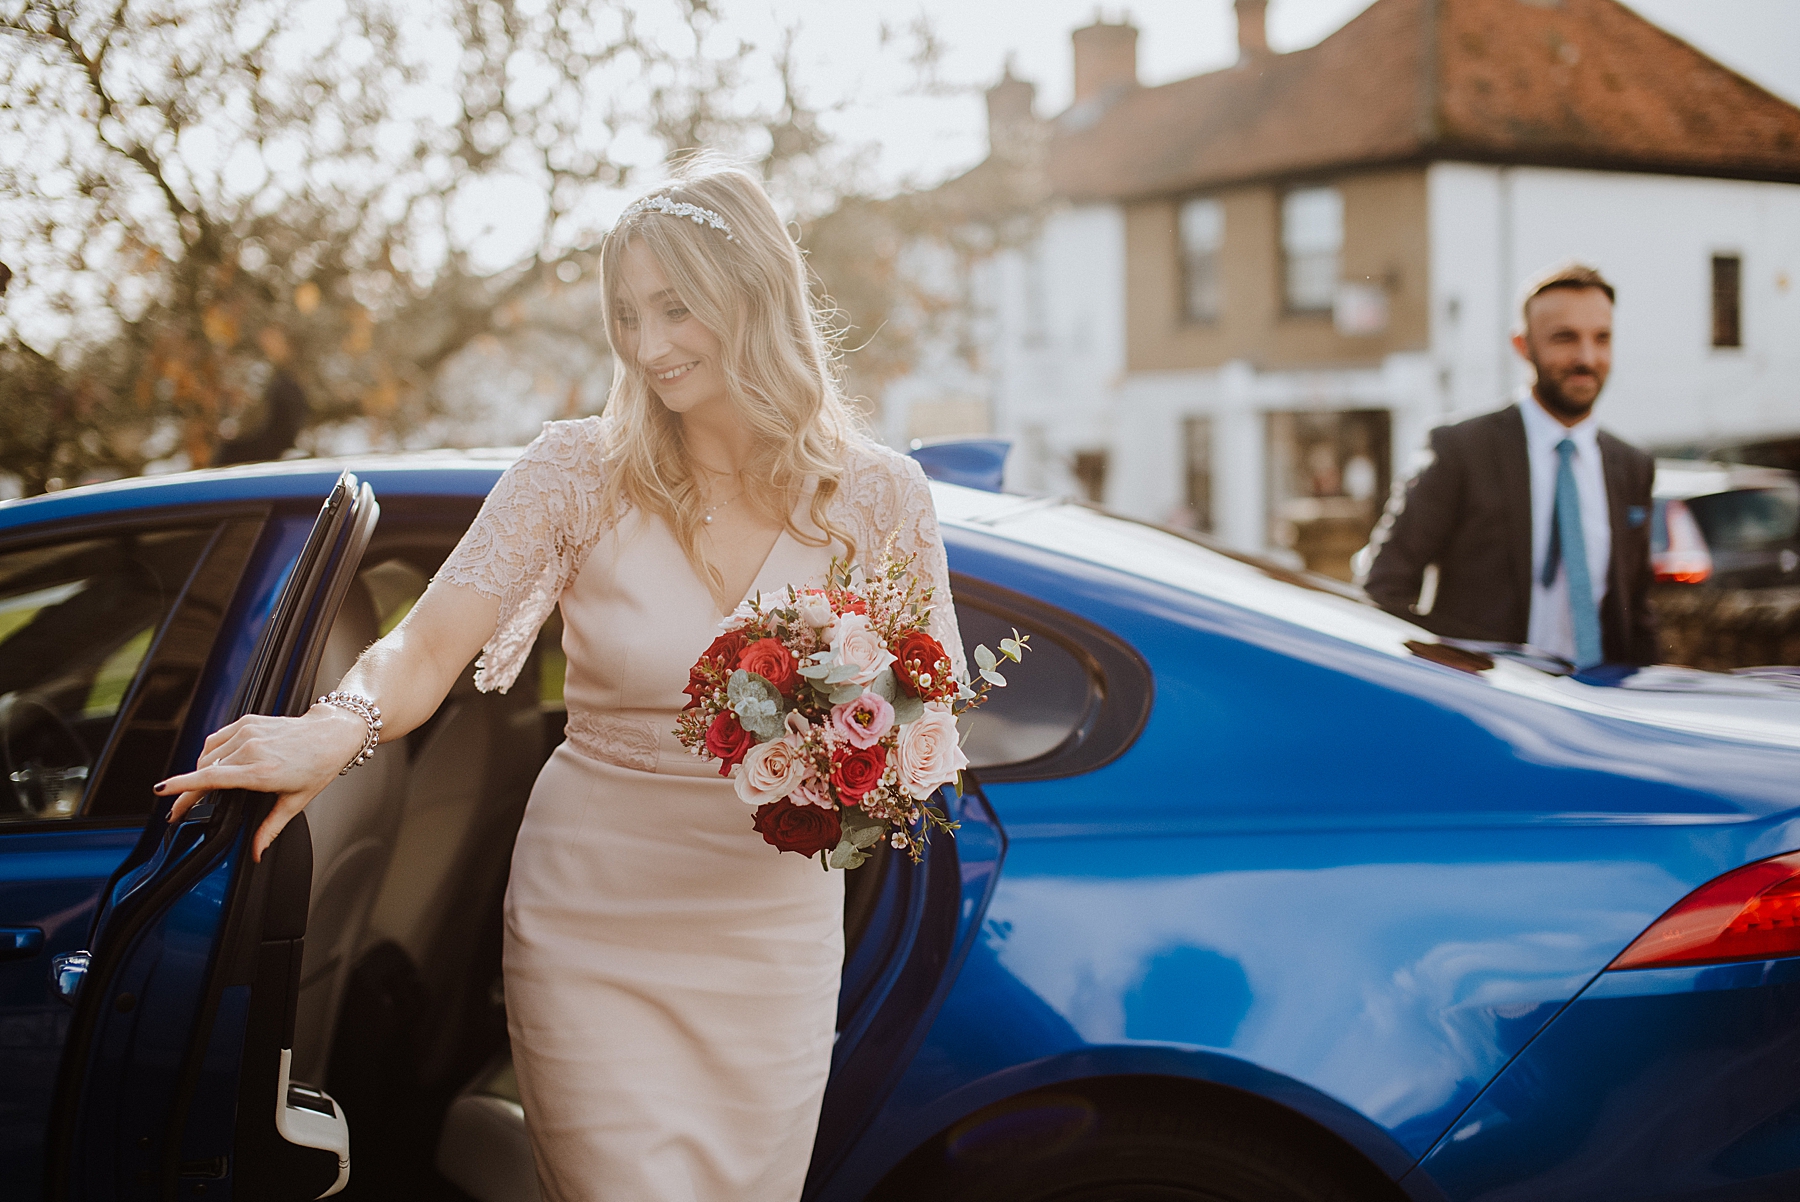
<point>771,771</point>
<point>854,645</point>
<point>815,609</point>
<point>930,755</point>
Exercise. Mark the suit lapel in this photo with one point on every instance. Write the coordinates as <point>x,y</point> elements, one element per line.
<point>1515,485</point>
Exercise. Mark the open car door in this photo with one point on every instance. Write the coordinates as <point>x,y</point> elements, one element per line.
<point>174,1080</point>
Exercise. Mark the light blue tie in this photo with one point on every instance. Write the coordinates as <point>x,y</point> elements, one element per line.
<point>1573,548</point>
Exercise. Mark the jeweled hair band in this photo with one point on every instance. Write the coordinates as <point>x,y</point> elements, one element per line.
<point>678,208</point>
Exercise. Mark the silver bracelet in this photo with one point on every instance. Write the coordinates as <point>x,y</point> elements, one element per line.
<point>369,712</point>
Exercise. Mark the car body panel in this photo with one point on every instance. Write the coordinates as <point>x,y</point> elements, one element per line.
<point>50,880</point>
<point>1671,1082</point>
<point>1363,884</point>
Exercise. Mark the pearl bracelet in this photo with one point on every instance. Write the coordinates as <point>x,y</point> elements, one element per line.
<point>365,709</point>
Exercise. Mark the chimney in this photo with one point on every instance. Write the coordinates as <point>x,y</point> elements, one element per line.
<point>1105,59</point>
<point>1009,105</point>
<point>1253,32</point>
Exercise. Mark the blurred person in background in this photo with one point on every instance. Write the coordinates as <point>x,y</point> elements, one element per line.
<point>1536,520</point>
<point>284,408</point>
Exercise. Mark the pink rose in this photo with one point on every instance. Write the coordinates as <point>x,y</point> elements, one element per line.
<point>771,770</point>
<point>854,645</point>
<point>862,722</point>
<point>930,755</point>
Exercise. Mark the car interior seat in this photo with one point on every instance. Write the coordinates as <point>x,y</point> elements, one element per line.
<point>353,823</point>
<point>484,1150</point>
<point>472,771</point>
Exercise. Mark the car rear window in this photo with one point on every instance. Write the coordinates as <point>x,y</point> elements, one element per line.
<point>1046,698</point>
<point>1746,519</point>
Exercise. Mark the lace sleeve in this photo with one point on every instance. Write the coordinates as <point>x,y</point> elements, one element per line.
<point>529,540</point>
<point>917,534</point>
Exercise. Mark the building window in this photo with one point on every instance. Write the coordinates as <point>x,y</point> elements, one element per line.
<point>1312,243</point>
<point>1727,300</point>
<point>1197,440</point>
<point>1202,241</point>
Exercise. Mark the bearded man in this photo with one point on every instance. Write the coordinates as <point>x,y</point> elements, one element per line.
<point>1536,521</point>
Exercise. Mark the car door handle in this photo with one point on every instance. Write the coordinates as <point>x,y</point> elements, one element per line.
<point>20,943</point>
<point>67,971</point>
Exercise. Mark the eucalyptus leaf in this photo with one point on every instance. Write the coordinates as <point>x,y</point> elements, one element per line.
<point>757,704</point>
<point>841,673</point>
<point>907,709</point>
<point>984,657</point>
<point>853,819</point>
<point>993,678</point>
<point>884,685</point>
<point>847,855</point>
<point>846,692</point>
<point>1010,649</point>
<point>815,671</point>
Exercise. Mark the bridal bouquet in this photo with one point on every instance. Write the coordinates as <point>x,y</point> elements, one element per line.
<point>834,712</point>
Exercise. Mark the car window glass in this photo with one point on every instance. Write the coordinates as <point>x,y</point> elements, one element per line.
<point>1746,518</point>
<point>77,620</point>
<point>1046,698</point>
<point>395,586</point>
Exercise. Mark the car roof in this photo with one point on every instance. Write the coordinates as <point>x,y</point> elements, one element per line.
<point>1709,703</point>
<point>469,473</point>
<point>1682,479</point>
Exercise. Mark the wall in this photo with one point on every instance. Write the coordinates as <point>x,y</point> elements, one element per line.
<point>1384,244</point>
<point>1492,228</point>
<point>1057,349</point>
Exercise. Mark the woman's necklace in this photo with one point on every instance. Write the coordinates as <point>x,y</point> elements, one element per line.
<point>706,515</point>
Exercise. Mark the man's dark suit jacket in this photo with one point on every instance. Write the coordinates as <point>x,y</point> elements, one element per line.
<point>1469,512</point>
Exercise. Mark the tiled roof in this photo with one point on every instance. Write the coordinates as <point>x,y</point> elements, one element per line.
<point>1582,83</point>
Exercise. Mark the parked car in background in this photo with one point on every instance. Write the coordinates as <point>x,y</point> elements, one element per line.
<point>1725,525</point>
<point>1260,894</point>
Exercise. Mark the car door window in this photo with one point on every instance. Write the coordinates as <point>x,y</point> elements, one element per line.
<point>78,620</point>
<point>1048,693</point>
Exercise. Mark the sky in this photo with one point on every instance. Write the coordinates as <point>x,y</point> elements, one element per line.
<point>923,139</point>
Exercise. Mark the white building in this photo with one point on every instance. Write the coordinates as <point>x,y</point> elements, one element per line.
<point>1252,293</point>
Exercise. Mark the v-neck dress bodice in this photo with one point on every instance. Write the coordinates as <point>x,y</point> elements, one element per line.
<point>671,980</point>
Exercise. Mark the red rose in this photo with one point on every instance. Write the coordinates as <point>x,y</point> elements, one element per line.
<point>805,829</point>
<point>920,654</point>
<point>728,740</point>
<point>722,655</point>
<point>771,660</point>
<point>854,773</point>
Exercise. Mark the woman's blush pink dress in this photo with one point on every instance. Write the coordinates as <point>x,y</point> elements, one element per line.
<point>671,980</point>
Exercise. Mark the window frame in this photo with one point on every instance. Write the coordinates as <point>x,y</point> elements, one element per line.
<point>214,518</point>
<point>1121,686</point>
<point>1716,294</point>
<point>1186,258</point>
<point>1284,257</point>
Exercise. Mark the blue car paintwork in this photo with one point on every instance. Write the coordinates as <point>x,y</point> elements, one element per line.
<point>1675,1082</point>
<point>50,880</point>
<point>1374,889</point>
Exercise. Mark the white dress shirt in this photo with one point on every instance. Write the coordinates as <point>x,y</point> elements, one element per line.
<point>1552,627</point>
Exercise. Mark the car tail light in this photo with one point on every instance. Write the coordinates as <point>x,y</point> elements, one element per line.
<point>1752,913</point>
<point>1686,560</point>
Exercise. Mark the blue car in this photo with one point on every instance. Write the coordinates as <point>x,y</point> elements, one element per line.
<point>1259,893</point>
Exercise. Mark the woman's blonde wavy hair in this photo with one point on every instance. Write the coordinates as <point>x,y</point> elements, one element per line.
<point>778,356</point>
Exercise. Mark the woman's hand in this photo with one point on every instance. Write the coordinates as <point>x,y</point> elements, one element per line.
<point>293,758</point>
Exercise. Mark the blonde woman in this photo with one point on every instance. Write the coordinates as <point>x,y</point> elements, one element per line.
<point>671,981</point>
